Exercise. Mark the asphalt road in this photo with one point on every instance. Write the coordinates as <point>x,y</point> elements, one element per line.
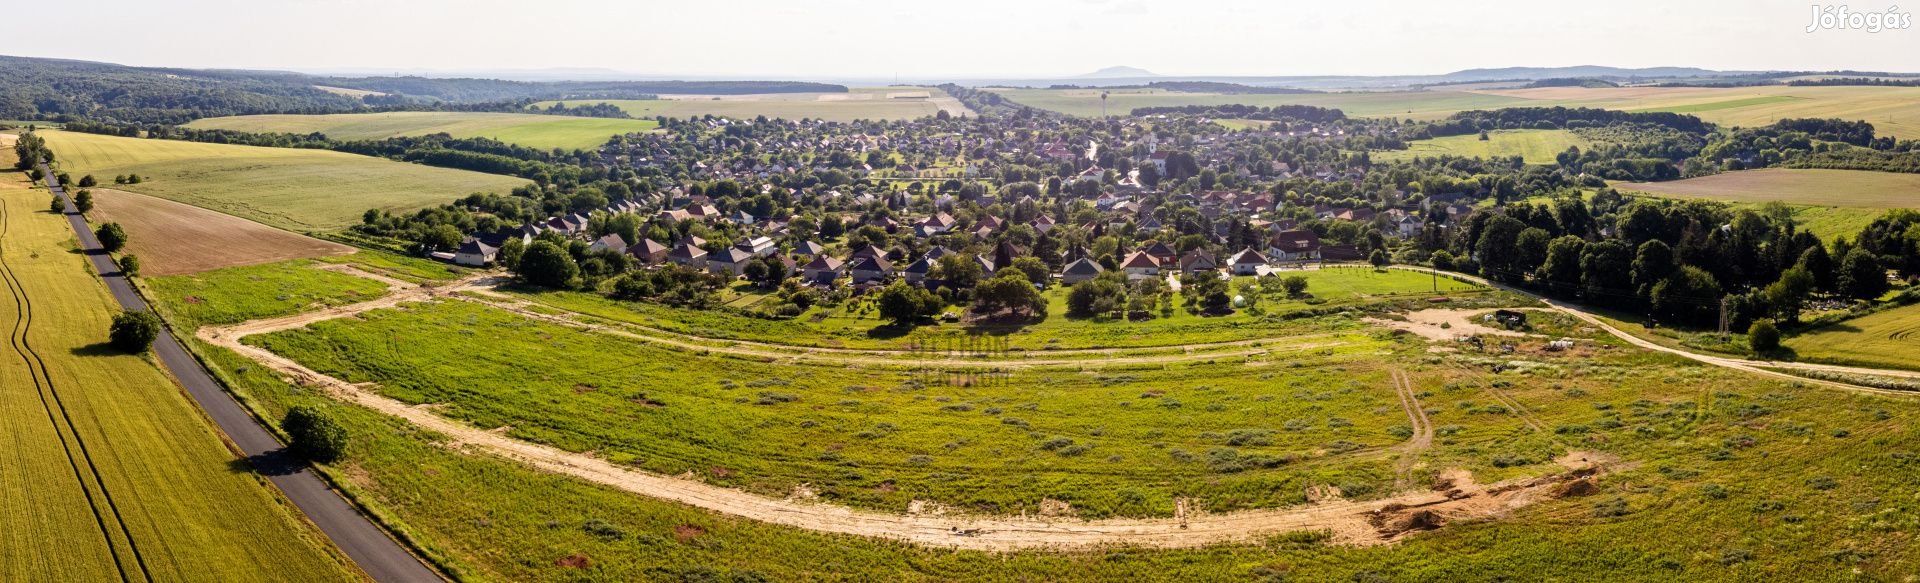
<point>366,543</point>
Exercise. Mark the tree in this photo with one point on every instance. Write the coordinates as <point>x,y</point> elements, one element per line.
<point>905,303</point>
<point>440,238</point>
<point>1103,295</point>
<point>1861,276</point>
<point>1498,253</point>
<point>1296,285</point>
<point>1008,291</point>
<point>1652,263</point>
<point>1819,264</point>
<point>958,271</point>
<point>1690,295</point>
<point>87,181</point>
<point>1378,259</point>
<point>1600,267</point>
<point>1561,270</point>
<point>1763,337</point>
<point>133,332</point>
<point>130,265</point>
<point>1036,270</point>
<point>314,434</point>
<point>1531,249</point>
<point>111,237</point>
<point>83,201</point>
<point>59,205</point>
<point>1206,292</point>
<point>546,264</point>
<point>511,252</point>
<point>1786,295</point>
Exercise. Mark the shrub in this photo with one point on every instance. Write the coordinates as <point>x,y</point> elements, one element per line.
<point>134,332</point>
<point>130,265</point>
<point>316,436</point>
<point>1762,336</point>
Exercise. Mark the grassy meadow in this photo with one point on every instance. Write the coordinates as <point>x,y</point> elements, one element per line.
<point>1881,339</point>
<point>295,189</point>
<point>1704,446</point>
<point>115,426</point>
<point>857,103</point>
<point>531,130</point>
<point>1534,146</point>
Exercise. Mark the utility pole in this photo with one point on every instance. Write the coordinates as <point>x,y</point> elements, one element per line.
<point>1725,323</point>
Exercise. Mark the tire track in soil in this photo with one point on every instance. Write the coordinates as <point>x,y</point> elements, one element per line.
<point>1422,437</point>
<point>50,401</point>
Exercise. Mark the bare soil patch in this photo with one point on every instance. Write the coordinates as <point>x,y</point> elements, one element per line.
<point>175,239</point>
<point>1444,324</point>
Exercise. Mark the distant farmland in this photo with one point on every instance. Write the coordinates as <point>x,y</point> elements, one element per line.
<point>1894,111</point>
<point>1402,104</point>
<point>1888,339</point>
<point>862,103</point>
<point>294,189</point>
<point>531,130</point>
<point>1841,188</point>
<point>1536,146</point>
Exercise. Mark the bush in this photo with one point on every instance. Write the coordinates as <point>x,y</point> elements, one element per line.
<point>134,332</point>
<point>1762,336</point>
<point>130,265</point>
<point>112,237</point>
<point>316,436</point>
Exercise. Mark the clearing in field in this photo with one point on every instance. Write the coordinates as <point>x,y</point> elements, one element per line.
<point>112,474</point>
<point>295,189</point>
<point>1885,339</point>
<point>1535,146</point>
<point>174,238</point>
<point>858,103</point>
<point>531,130</point>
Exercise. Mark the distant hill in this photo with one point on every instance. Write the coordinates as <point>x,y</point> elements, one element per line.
<point>1586,71</point>
<point>1117,73</point>
<point>63,90</point>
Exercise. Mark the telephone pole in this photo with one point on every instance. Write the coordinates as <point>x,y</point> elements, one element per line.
<point>1724,322</point>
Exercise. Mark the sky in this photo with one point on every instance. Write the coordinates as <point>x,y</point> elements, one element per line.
<point>916,40</point>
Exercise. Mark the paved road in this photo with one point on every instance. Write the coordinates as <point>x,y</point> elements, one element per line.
<point>367,544</point>
<point>1752,366</point>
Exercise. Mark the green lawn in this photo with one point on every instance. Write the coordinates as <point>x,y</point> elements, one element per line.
<point>532,130</point>
<point>1535,146</point>
<point>295,189</point>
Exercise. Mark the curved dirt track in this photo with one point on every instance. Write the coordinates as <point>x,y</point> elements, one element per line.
<point>1351,522</point>
<point>1751,366</point>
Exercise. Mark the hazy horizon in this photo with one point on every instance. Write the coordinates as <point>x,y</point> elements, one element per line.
<point>843,39</point>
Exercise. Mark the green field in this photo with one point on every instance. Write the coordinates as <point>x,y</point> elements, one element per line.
<point>111,472</point>
<point>295,189</point>
<point>1882,339</point>
<point>1894,111</point>
<point>858,103</point>
<point>1704,447</point>
<point>536,131</point>
<point>1535,146</point>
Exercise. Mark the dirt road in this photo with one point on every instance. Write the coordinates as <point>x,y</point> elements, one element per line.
<point>1352,522</point>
